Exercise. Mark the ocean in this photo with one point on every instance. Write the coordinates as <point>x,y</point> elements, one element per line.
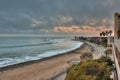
<point>14,50</point>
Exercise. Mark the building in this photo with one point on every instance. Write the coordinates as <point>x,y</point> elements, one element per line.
<point>117,25</point>
<point>116,45</point>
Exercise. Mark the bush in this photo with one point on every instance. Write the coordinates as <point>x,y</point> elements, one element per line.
<point>109,45</point>
<point>90,70</point>
<point>86,56</point>
<point>106,60</point>
<point>109,51</point>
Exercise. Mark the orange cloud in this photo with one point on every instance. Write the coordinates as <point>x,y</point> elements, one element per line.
<point>84,29</point>
<point>63,29</point>
<point>67,29</point>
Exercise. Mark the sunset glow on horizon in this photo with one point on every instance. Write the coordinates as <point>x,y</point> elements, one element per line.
<point>57,17</point>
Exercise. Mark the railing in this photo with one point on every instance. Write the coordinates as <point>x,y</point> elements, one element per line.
<point>116,63</point>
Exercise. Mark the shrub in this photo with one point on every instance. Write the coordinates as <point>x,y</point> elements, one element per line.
<point>106,60</point>
<point>90,70</point>
<point>86,56</point>
<point>109,45</point>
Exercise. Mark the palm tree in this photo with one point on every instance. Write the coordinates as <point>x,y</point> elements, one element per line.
<point>106,33</point>
<point>100,34</point>
<point>110,32</point>
<point>103,33</point>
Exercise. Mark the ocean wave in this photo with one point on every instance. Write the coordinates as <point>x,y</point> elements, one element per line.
<point>60,51</point>
<point>27,45</point>
<point>16,60</point>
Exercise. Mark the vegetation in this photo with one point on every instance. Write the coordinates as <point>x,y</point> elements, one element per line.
<point>106,33</point>
<point>108,51</point>
<point>103,42</point>
<point>106,60</point>
<point>102,34</point>
<point>99,69</point>
<point>97,40</point>
<point>86,56</point>
<point>91,70</point>
<point>109,45</point>
<point>110,32</point>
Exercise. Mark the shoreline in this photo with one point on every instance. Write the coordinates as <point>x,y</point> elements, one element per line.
<point>38,60</point>
<point>43,69</point>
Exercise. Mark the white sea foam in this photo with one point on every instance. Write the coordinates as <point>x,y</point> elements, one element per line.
<point>65,47</point>
<point>60,51</point>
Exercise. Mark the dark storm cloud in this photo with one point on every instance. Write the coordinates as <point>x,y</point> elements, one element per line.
<point>41,16</point>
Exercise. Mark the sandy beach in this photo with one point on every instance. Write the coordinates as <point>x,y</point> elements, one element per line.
<point>44,69</point>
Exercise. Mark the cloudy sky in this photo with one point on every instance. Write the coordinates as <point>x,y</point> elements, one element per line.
<point>56,17</point>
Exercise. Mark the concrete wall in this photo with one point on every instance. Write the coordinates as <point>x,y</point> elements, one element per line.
<point>110,40</point>
<point>117,44</point>
<point>116,63</point>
